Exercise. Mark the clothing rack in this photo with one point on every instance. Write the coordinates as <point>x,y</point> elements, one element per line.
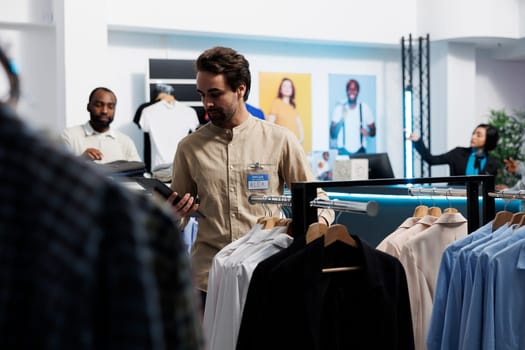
<point>304,192</point>
<point>370,208</point>
<point>506,194</point>
<point>449,192</point>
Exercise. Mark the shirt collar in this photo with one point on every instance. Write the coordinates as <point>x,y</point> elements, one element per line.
<point>239,128</point>
<point>89,131</point>
<point>474,150</point>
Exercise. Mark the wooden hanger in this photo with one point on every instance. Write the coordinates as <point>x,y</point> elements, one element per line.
<point>521,223</point>
<point>500,219</point>
<point>262,219</point>
<point>338,232</point>
<point>315,230</point>
<point>434,211</point>
<point>420,211</point>
<point>268,221</point>
<point>516,218</point>
<point>285,222</point>
<point>451,210</point>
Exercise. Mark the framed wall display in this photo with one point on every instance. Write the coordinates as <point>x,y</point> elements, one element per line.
<point>286,99</point>
<point>352,111</point>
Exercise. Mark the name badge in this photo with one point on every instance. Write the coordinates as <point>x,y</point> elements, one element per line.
<point>258,182</point>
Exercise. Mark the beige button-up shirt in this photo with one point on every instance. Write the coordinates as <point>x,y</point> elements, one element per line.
<point>421,258</point>
<point>224,167</point>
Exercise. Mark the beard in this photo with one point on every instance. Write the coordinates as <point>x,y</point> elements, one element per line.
<point>218,116</point>
<point>100,125</point>
<point>352,100</point>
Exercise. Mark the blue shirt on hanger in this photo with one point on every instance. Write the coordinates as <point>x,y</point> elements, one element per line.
<point>437,320</point>
<point>450,335</point>
<point>504,305</point>
<point>473,331</point>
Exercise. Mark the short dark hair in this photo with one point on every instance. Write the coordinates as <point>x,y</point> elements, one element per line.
<point>103,89</point>
<point>227,61</point>
<point>352,81</point>
<point>492,136</point>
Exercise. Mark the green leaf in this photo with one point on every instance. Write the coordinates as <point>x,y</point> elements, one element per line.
<point>511,129</point>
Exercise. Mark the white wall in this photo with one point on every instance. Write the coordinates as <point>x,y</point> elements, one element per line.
<point>499,85</point>
<point>26,11</point>
<point>371,21</point>
<point>451,19</point>
<point>32,51</point>
<point>129,76</point>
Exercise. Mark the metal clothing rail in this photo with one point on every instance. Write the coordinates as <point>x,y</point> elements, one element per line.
<point>370,208</point>
<point>450,192</point>
<point>265,199</point>
<point>304,192</point>
<point>506,194</point>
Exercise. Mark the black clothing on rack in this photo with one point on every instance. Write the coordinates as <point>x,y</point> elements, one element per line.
<point>290,299</point>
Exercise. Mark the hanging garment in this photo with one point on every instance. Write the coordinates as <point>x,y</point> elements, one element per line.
<point>504,309</point>
<point>448,259</point>
<point>393,243</point>
<point>304,308</point>
<point>421,256</point>
<point>446,320</point>
<point>386,244</point>
<point>146,139</point>
<point>167,123</point>
<point>478,297</point>
<point>229,280</point>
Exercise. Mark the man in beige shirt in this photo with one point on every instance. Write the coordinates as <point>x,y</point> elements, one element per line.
<point>227,160</point>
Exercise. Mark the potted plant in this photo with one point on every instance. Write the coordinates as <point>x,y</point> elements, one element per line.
<point>511,129</point>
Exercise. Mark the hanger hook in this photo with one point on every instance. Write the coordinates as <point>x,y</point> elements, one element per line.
<point>266,209</point>
<point>338,215</point>
<point>501,194</point>
<point>447,193</point>
<point>417,193</point>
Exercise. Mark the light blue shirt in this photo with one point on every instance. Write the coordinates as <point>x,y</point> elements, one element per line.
<point>448,259</point>
<point>189,234</point>
<point>452,317</point>
<point>504,306</point>
<point>473,319</point>
<point>470,267</point>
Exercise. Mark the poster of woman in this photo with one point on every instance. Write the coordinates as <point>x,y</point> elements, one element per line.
<point>352,113</point>
<point>285,99</point>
